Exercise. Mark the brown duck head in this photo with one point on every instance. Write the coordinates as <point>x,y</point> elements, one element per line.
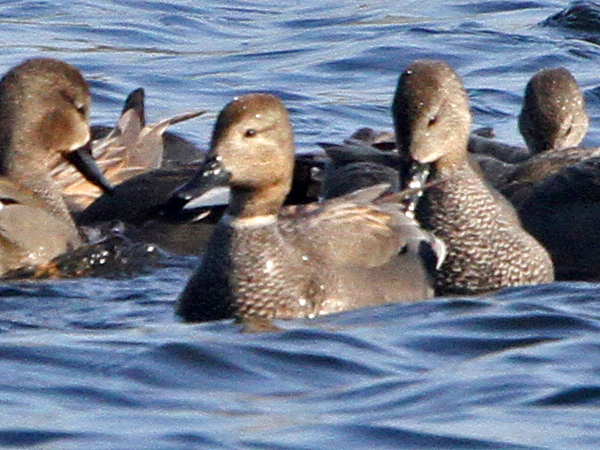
<point>44,111</point>
<point>252,150</point>
<point>431,114</point>
<point>554,115</point>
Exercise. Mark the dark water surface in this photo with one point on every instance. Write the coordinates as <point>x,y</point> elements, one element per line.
<point>102,364</point>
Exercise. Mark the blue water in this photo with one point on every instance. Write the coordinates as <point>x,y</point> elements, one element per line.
<point>102,363</point>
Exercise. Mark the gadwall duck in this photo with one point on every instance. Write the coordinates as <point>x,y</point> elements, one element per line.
<point>553,123</point>
<point>487,247</point>
<point>44,107</point>
<point>554,115</point>
<point>266,262</point>
<point>556,191</point>
<point>553,118</point>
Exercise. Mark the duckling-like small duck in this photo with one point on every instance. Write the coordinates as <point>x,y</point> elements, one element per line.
<point>44,109</point>
<point>487,248</point>
<point>266,262</point>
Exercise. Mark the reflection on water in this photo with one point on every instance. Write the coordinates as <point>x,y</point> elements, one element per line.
<point>102,363</point>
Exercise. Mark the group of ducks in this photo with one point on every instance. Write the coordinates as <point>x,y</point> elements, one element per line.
<point>399,218</point>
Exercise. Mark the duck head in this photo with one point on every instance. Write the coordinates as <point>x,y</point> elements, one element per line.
<point>252,151</point>
<point>554,115</point>
<point>431,114</point>
<point>44,112</point>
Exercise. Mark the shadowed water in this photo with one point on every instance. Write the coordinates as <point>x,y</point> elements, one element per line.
<point>103,364</point>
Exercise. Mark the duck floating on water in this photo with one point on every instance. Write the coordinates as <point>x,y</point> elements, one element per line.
<point>487,247</point>
<point>304,261</point>
<point>44,109</point>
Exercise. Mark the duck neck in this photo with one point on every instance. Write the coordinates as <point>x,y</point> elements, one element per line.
<point>33,174</point>
<point>248,203</point>
<point>454,158</point>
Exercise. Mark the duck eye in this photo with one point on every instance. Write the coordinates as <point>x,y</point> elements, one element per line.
<point>79,106</point>
<point>250,132</point>
<point>432,121</point>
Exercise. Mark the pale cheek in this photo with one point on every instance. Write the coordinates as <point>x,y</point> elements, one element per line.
<point>61,133</point>
<point>81,133</point>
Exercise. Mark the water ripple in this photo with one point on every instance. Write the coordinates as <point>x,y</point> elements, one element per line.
<point>103,363</point>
